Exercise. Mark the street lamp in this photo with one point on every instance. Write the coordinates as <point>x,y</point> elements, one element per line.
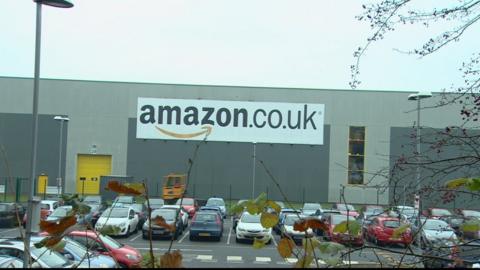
<point>419,96</point>
<point>60,183</point>
<point>36,80</point>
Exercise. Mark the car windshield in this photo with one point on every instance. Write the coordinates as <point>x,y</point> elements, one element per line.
<point>343,207</point>
<point>137,207</point>
<point>124,199</point>
<point>94,207</point>
<point>290,220</point>
<point>215,202</point>
<point>116,213</point>
<point>205,217</point>
<point>441,212</point>
<point>76,248</point>
<point>436,225</point>
<point>45,206</point>
<point>49,257</point>
<point>247,218</point>
<point>391,223</point>
<point>93,200</point>
<point>409,212</point>
<point>3,207</point>
<point>110,241</point>
<point>61,212</point>
<point>311,206</point>
<point>160,202</point>
<point>185,201</point>
<point>337,219</point>
<point>471,213</point>
<point>166,214</point>
<point>372,208</point>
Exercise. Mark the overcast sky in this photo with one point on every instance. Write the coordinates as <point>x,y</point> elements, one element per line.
<point>278,43</point>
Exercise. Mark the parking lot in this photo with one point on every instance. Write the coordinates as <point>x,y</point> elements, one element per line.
<point>228,253</point>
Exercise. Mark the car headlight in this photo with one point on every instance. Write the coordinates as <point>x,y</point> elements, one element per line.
<point>240,229</point>
<point>131,257</point>
<point>266,230</point>
<point>122,224</point>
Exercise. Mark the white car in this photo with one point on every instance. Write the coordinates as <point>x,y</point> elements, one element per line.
<point>219,202</point>
<point>59,213</point>
<point>287,228</point>
<point>122,217</point>
<point>249,228</point>
<point>183,213</point>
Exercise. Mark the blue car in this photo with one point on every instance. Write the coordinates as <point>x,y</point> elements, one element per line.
<point>206,224</point>
<point>75,252</point>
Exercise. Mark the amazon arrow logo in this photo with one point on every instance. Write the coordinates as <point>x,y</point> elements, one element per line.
<point>207,130</point>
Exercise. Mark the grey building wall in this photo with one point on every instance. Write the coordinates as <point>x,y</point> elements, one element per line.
<point>100,111</point>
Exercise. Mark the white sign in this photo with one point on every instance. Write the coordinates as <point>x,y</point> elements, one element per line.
<point>232,121</point>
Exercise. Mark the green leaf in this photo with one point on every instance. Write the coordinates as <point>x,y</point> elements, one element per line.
<point>330,247</point>
<point>261,200</point>
<point>456,183</point>
<point>332,260</point>
<point>268,220</point>
<point>310,244</point>
<point>257,244</point>
<point>59,246</point>
<point>304,262</point>
<point>252,208</point>
<point>83,209</point>
<point>239,207</point>
<point>109,230</point>
<point>474,184</point>
<point>398,231</point>
<point>352,227</point>
<point>274,206</point>
<point>471,226</point>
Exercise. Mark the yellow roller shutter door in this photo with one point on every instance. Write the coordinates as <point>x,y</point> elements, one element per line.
<point>89,170</point>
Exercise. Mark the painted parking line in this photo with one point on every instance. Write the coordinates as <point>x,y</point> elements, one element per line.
<point>183,237</point>
<point>206,258</point>
<point>229,234</point>
<point>134,238</point>
<point>234,259</point>
<point>181,249</point>
<point>262,260</point>
<point>274,241</point>
<point>10,230</point>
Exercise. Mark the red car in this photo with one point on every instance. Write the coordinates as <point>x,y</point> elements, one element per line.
<point>436,213</point>
<point>380,231</point>
<point>344,207</point>
<point>333,220</point>
<point>190,205</point>
<point>125,255</point>
<point>46,209</point>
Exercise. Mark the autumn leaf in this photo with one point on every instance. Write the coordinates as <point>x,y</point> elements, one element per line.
<point>350,227</point>
<point>171,260</point>
<point>238,208</point>
<point>273,205</point>
<point>268,220</point>
<point>257,244</point>
<point>120,188</point>
<point>252,208</point>
<point>261,200</point>
<point>160,221</point>
<point>313,223</point>
<point>285,247</point>
<point>54,228</point>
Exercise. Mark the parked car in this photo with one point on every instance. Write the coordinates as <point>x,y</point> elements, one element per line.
<point>470,214</point>
<point>8,214</point>
<point>372,208</point>
<point>380,232</point>
<point>236,216</point>
<point>310,209</point>
<point>41,257</point>
<point>346,209</point>
<point>206,224</point>
<point>333,220</point>
<point>125,255</point>
<point>123,199</point>
<point>249,228</point>
<point>155,203</point>
<point>455,222</point>
<point>214,201</point>
<point>433,230</point>
<point>448,254</point>
<point>169,215</point>
<point>96,210</point>
<point>46,209</point>
<point>287,229</point>
<point>76,252</point>
<point>142,213</point>
<point>59,213</point>
<point>190,205</point>
<point>122,217</point>
<point>215,209</point>
<point>92,199</point>
<point>436,213</point>
<point>10,262</point>
<point>182,212</point>
<point>281,217</point>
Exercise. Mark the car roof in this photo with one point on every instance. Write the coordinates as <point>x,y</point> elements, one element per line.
<point>48,201</point>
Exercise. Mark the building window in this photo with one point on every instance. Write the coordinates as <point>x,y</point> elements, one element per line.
<point>356,155</point>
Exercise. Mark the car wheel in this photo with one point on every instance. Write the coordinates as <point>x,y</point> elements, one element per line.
<point>218,238</point>
<point>144,236</point>
<point>237,240</point>
<point>191,237</point>
<point>269,241</point>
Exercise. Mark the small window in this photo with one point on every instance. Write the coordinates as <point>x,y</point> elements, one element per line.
<point>356,155</point>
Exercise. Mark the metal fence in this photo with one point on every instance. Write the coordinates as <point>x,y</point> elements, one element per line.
<point>14,189</point>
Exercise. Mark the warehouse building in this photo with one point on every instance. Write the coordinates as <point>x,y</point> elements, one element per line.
<point>317,144</point>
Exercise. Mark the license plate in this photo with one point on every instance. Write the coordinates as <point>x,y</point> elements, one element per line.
<point>157,232</point>
<point>204,234</point>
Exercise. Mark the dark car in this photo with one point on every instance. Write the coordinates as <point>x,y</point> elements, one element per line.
<point>96,210</point>
<point>447,254</point>
<point>206,224</point>
<point>92,199</point>
<point>8,215</point>
<point>212,208</point>
<point>455,222</point>
<point>169,217</point>
<point>142,213</point>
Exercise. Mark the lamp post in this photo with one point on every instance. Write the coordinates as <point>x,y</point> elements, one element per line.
<point>60,183</point>
<point>253,168</point>
<point>418,97</point>
<point>36,80</point>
